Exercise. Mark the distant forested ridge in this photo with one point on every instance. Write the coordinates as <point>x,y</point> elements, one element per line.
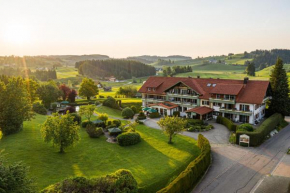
<point>150,59</point>
<point>121,69</point>
<point>268,57</point>
<point>42,75</point>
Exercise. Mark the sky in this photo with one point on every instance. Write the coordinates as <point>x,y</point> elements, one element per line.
<point>121,28</point>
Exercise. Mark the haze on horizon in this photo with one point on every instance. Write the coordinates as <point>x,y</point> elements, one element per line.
<point>121,28</point>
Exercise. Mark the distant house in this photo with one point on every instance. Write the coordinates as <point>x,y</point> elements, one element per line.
<point>111,79</point>
<point>99,85</point>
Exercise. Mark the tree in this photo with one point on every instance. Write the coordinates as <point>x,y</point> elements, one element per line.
<point>129,91</point>
<point>48,93</point>
<point>250,70</point>
<point>87,111</point>
<point>72,95</point>
<point>32,86</point>
<point>88,88</point>
<point>62,130</point>
<point>280,88</point>
<point>15,105</point>
<point>65,90</point>
<point>171,126</point>
<point>103,116</point>
<point>14,178</point>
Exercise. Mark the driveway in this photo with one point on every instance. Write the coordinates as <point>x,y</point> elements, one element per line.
<point>242,169</point>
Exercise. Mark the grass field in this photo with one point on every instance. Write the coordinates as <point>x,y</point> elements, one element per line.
<point>153,161</point>
<point>110,111</point>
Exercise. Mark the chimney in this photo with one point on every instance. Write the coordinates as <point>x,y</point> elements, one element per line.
<point>198,76</point>
<point>246,80</point>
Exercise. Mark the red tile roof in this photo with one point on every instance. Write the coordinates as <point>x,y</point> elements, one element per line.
<point>253,92</point>
<point>231,89</point>
<point>200,110</point>
<point>167,105</point>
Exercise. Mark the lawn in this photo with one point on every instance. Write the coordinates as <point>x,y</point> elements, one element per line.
<point>110,111</point>
<point>153,161</point>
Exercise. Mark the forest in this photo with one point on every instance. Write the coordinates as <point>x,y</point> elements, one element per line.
<point>42,75</point>
<point>121,69</point>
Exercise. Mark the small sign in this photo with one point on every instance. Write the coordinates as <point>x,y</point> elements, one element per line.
<point>244,139</point>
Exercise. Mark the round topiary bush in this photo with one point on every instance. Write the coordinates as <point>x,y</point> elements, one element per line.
<point>129,138</point>
<point>93,131</point>
<point>134,109</point>
<point>128,113</point>
<point>245,127</point>
<point>39,108</point>
<point>141,116</point>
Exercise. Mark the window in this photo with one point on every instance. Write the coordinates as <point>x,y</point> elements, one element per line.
<point>205,102</point>
<point>149,89</point>
<point>217,104</point>
<point>218,96</point>
<point>154,89</point>
<point>209,84</point>
<point>244,108</point>
<point>213,85</point>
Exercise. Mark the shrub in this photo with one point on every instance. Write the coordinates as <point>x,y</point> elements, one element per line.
<point>93,131</point>
<point>70,109</point>
<point>121,181</point>
<point>134,109</point>
<point>111,102</point>
<point>176,113</point>
<point>85,123</point>
<point>141,116</point>
<point>103,116</point>
<point>77,118</point>
<point>127,113</point>
<point>245,127</point>
<point>101,96</point>
<point>39,108</point>
<point>226,122</point>
<point>129,138</point>
<point>258,136</point>
<point>154,115</point>
<point>194,122</point>
<point>194,171</point>
<point>97,103</point>
<point>116,122</point>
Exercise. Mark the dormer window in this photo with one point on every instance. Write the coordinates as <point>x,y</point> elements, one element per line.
<point>154,89</point>
<point>213,85</point>
<point>209,84</point>
<point>149,89</point>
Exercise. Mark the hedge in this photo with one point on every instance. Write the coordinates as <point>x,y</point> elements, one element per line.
<point>226,122</point>
<point>154,115</point>
<point>187,179</point>
<point>120,181</point>
<point>257,137</point>
<point>129,138</point>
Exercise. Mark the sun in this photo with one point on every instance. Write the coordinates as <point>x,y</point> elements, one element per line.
<point>17,34</point>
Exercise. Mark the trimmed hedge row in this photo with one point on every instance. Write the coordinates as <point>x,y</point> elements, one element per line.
<point>226,122</point>
<point>194,171</point>
<point>120,181</point>
<point>257,137</point>
<point>129,138</point>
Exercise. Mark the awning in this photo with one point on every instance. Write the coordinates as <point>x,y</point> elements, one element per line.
<point>200,110</point>
<point>152,110</point>
<point>146,109</point>
<point>64,102</point>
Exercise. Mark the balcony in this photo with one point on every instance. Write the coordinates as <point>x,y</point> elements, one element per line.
<point>182,95</point>
<point>227,101</point>
<point>153,100</point>
<point>234,111</point>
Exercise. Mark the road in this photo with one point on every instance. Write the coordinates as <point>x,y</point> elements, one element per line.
<point>238,169</point>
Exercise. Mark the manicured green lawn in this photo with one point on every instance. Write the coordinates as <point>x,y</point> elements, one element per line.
<point>153,162</point>
<point>110,111</point>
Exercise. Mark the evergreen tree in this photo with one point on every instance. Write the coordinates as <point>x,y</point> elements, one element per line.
<point>250,70</point>
<point>279,83</point>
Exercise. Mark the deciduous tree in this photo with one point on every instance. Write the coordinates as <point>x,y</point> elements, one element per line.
<point>88,88</point>
<point>171,126</point>
<point>61,130</point>
<point>87,111</point>
<point>48,93</point>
